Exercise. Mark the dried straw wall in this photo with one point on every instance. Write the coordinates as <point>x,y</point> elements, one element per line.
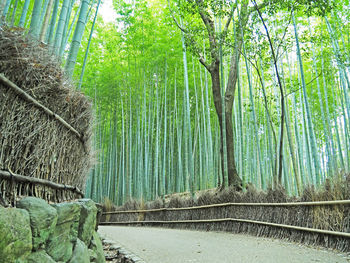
<point>33,143</point>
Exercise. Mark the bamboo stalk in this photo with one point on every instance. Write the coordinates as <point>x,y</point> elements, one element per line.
<point>77,37</point>
<point>310,128</point>
<point>24,13</point>
<point>188,133</point>
<point>35,21</point>
<point>46,21</point>
<point>50,36</point>
<point>88,45</point>
<point>66,31</point>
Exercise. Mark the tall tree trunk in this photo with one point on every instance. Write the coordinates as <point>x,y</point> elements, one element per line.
<point>215,84</point>
<point>233,177</point>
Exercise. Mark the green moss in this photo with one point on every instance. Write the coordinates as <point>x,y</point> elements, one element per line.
<point>60,244</point>
<point>43,218</point>
<point>87,221</point>
<point>96,246</point>
<point>39,256</point>
<point>80,253</point>
<point>15,234</point>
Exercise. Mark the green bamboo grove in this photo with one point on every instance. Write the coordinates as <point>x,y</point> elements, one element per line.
<point>158,132</point>
<point>60,24</point>
<point>157,129</point>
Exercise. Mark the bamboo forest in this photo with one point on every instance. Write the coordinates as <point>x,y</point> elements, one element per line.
<point>198,94</point>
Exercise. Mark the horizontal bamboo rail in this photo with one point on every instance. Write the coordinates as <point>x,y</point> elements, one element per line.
<point>30,99</point>
<point>315,203</point>
<point>32,180</point>
<point>299,228</point>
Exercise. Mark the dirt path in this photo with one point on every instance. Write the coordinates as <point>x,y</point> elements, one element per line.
<point>156,245</point>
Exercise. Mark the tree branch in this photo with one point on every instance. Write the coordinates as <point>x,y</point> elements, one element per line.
<point>240,27</point>
<point>228,22</point>
<point>204,63</point>
<point>284,34</point>
<point>210,27</point>
<point>209,24</point>
<point>176,22</point>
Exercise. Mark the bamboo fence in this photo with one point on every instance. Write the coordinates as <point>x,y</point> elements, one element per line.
<point>321,222</point>
<point>14,186</point>
<point>45,125</point>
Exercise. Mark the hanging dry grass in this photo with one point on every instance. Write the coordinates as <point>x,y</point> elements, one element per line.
<point>32,142</point>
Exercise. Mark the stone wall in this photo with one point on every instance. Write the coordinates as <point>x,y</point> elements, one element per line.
<point>36,232</point>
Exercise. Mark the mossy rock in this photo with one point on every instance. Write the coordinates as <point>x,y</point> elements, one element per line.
<point>96,246</point>
<point>81,253</point>
<point>43,219</point>
<point>15,234</point>
<point>92,255</point>
<point>61,242</point>
<point>38,257</point>
<point>87,221</point>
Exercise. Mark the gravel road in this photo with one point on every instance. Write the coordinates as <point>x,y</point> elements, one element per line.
<point>157,245</point>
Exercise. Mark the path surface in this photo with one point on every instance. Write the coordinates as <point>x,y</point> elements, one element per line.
<point>156,245</point>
